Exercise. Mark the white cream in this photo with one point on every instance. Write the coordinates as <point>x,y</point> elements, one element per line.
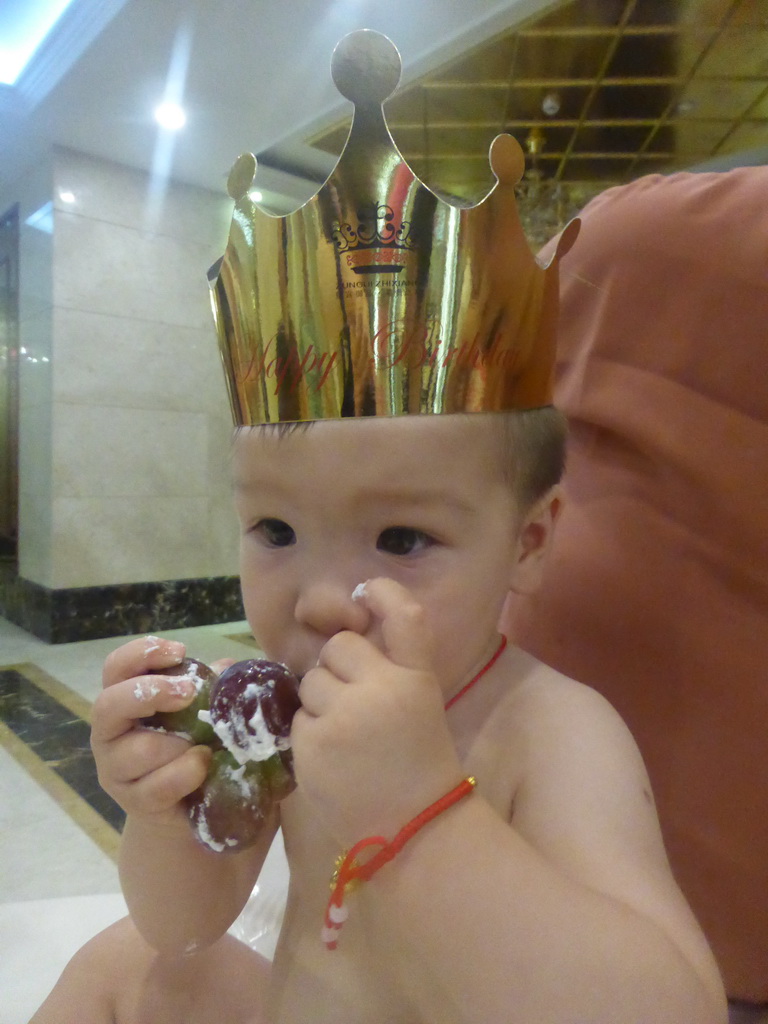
<point>203,832</point>
<point>168,732</point>
<point>176,685</point>
<point>260,743</point>
<point>145,689</point>
<point>238,775</point>
<point>196,678</point>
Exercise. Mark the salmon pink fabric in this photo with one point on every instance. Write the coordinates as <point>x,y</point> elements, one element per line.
<point>657,592</point>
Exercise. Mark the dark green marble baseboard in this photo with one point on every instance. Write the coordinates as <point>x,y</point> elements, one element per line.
<point>89,613</point>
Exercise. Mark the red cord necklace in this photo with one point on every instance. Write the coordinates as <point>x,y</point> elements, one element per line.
<point>488,665</point>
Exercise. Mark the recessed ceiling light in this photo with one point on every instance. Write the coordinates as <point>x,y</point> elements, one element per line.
<point>66,196</point>
<point>255,196</point>
<point>551,104</point>
<point>170,116</point>
<point>686,106</point>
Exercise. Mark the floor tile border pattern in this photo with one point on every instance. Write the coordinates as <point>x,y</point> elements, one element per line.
<point>33,700</point>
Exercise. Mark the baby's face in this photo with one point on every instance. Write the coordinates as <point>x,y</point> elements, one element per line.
<point>421,500</point>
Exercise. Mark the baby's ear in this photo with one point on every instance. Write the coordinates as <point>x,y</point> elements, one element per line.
<point>534,541</point>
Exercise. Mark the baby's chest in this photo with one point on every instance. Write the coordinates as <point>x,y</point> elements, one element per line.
<point>361,980</point>
<point>354,982</point>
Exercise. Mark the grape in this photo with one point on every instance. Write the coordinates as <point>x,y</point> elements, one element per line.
<point>185,721</point>
<point>280,775</point>
<point>252,708</point>
<point>249,709</point>
<point>228,811</point>
<point>252,705</point>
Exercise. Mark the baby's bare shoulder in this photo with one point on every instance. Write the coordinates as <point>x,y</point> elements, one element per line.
<point>541,706</point>
<point>545,736</point>
<point>547,707</point>
<point>584,801</point>
<point>581,775</point>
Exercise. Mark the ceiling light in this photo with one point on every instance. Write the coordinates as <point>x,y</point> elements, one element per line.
<point>170,116</point>
<point>255,196</point>
<point>686,106</point>
<point>67,197</point>
<point>551,104</point>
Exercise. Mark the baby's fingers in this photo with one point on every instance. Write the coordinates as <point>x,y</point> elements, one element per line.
<point>137,753</point>
<point>162,789</point>
<point>407,638</point>
<point>145,654</point>
<point>118,707</point>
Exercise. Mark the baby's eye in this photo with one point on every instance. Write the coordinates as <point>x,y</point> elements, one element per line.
<point>403,540</point>
<point>275,533</point>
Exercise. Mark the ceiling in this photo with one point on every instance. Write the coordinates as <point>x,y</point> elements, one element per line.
<point>597,91</point>
<point>638,86</point>
<point>252,75</point>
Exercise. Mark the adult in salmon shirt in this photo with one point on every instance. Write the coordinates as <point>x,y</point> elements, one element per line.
<point>657,592</point>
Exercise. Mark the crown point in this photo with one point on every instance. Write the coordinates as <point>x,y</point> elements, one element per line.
<point>366,67</point>
<point>564,242</point>
<point>507,159</point>
<point>241,176</point>
<point>568,236</point>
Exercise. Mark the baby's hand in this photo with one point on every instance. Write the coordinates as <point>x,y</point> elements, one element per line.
<point>371,744</point>
<point>147,773</point>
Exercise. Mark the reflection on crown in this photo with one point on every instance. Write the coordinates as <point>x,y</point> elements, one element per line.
<point>377,298</point>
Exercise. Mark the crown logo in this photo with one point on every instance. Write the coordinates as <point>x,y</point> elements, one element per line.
<point>376,297</point>
<point>376,232</point>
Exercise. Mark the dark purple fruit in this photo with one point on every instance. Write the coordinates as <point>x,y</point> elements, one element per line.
<point>249,709</point>
<point>186,722</point>
<point>252,708</point>
<point>278,774</point>
<point>228,811</point>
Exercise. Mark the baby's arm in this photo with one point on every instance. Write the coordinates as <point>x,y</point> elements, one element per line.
<point>180,895</point>
<point>568,913</point>
<point>572,912</point>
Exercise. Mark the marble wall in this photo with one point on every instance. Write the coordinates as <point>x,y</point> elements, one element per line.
<point>140,418</point>
<point>34,196</point>
<point>124,422</point>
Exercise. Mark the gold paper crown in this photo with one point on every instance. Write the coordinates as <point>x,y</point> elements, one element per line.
<point>377,298</point>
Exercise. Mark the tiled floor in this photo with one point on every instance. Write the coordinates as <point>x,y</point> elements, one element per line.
<point>58,831</point>
<point>50,797</point>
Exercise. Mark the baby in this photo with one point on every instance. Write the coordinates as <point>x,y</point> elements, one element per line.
<point>543,894</point>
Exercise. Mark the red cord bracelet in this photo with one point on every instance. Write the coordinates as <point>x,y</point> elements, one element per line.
<point>349,872</point>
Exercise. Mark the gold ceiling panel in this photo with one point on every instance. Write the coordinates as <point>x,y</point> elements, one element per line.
<point>597,91</point>
<point>719,100</point>
<point>754,14</point>
<point>745,46</point>
<point>747,136</point>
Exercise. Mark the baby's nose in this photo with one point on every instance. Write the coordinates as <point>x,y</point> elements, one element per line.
<point>328,607</point>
